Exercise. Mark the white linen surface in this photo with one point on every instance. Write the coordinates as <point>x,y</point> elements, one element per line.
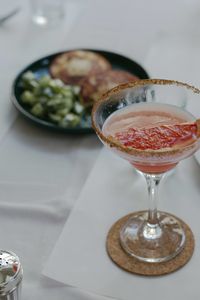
<point>112,190</point>
<point>175,57</point>
<point>41,173</point>
<point>132,27</point>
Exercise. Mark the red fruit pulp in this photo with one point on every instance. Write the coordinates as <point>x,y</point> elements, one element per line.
<point>155,138</point>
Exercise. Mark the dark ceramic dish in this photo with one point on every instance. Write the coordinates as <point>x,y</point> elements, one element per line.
<point>41,67</point>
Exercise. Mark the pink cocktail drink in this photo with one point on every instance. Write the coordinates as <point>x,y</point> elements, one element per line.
<point>154,135</point>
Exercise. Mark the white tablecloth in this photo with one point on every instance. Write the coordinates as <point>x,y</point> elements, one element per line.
<point>42,173</point>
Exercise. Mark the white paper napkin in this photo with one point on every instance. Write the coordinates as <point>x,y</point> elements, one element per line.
<point>112,190</point>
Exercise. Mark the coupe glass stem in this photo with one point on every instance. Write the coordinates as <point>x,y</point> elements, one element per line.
<point>152,186</point>
<point>151,236</point>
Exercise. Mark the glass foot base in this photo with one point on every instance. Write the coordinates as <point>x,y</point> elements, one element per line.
<point>152,242</point>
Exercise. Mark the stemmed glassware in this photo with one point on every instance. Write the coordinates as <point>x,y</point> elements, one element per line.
<point>154,138</point>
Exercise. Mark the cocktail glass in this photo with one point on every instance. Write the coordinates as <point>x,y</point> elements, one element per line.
<point>151,236</point>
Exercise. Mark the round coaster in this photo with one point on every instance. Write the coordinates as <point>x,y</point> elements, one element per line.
<point>132,265</point>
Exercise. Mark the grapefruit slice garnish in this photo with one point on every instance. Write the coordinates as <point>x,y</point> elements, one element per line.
<point>159,137</point>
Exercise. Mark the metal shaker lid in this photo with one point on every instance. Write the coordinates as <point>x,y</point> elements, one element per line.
<point>10,272</point>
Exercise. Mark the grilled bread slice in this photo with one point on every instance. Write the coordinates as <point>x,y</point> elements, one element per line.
<point>94,85</point>
<point>71,67</point>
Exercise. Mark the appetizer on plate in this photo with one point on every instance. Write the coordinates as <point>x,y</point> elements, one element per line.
<point>94,85</point>
<point>71,67</point>
<point>52,100</point>
<point>59,90</point>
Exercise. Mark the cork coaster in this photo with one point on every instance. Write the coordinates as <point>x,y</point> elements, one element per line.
<point>132,265</point>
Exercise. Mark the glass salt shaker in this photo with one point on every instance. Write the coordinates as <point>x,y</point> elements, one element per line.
<point>11,274</point>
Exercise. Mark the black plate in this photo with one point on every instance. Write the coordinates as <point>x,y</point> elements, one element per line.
<point>41,67</point>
